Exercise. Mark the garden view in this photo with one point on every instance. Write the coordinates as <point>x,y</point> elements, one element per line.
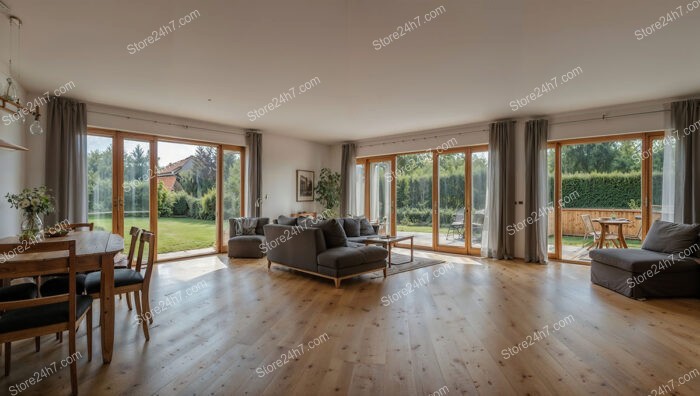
<point>186,180</point>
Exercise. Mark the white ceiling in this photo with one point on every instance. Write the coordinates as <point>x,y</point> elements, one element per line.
<point>465,66</point>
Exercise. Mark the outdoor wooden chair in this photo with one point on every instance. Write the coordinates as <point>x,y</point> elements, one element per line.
<point>457,225</point>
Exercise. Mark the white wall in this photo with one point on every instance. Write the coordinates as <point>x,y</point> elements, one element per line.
<point>562,127</point>
<point>12,165</point>
<point>282,156</point>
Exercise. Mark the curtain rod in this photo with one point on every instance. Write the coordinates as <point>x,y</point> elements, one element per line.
<point>603,117</point>
<point>422,138</point>
<point>167,123</point>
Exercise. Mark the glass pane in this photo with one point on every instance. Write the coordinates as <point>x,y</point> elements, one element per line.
<point>380,195</point>
<point>551,161</point>
<point>137,174</point>
<point>100,178</point>
<point>360,189</point>
<point>599,181</point>
<point>657,168</point>
<point>186,198</point>
<point>414,197</point>
<point>451,208</point>
<point>232,189</point>
<point>480,164</point>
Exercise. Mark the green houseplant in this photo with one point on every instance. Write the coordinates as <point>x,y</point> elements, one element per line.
<point>33,203</point>
<point>328,191</point>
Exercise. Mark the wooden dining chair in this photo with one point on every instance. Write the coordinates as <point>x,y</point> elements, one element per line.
<point>30,318</point>
<point>127,280</point>
<point>75,226</point>
<point>126,262</point>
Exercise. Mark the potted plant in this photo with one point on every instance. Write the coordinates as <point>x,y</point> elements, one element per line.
<point>33,203</point>
<point>328,191</point>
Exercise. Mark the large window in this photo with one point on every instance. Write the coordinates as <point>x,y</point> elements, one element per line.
<point>184,192</point>
<point>598,183</point>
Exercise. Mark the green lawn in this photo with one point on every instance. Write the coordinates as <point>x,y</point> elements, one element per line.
<point>175,234</point>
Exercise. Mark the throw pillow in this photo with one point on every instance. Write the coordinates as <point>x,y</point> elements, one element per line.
<point>237,227</point>
<point>365,227</point>
<point>248,225</point>
<point>284,220</point>
<point>667,237</point>
<point>351,227</point>
<point>262,221</point>
<point>332,232</point>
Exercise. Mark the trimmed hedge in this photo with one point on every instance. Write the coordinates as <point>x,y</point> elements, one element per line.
<point>606,190</point>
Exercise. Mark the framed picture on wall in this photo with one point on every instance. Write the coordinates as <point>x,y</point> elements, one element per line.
<point>305,186</point>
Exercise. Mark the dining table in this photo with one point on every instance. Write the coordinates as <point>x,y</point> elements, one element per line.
<point>95,251</point>
<point>605,224</point>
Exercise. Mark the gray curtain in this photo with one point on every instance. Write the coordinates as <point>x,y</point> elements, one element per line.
<point>685,118</point>
<point>66,160</point>
<point>253,140</point>
<point>500,194</point>
<point>347,179</point>
<point>536,191</point>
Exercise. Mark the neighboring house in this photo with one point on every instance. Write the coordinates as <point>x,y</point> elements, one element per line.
<point>169,174</point>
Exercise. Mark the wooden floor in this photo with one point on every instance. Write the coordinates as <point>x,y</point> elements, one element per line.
<point>449,332</point>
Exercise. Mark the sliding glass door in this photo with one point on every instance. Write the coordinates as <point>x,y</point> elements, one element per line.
<point>603,180</point>
<point>184,192</point>
<point>100,165</point>
<point>437,197</point>
<point>414,197</point>
<point>452,210</point>
<point>135,201</point>
<point>187,185</point>
<point>478,170</point>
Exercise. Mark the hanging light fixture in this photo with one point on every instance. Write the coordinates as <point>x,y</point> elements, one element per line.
<point>9,100</point>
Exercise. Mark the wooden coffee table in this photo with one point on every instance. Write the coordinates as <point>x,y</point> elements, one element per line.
<point>387,243</point>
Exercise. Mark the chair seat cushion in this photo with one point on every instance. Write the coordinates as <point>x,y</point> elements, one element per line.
<point>344,257</point>
<point>44,315</point>
<point>22,291</point>
<point>639,260</point>
<point>122,277</point>
<point>59,285</point>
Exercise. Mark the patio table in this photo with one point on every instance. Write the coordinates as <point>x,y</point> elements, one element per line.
<point>605,230</point>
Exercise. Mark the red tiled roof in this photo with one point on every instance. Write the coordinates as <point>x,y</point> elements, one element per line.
<point>174,167</point>
<point>168,182</point>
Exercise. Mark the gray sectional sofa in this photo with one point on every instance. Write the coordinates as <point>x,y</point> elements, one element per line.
<point>321,248</point>
<point>668,265</point>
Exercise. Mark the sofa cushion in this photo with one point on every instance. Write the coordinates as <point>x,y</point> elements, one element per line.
<point>641,260</point>
<point>332,232</point>
<point>345,257</point>
<point>248,225</point>
<point>261,223</point>
<point>351,227</point>
<point>365,227</point>
<point>359,239</point>
<point>667,237</point>
<point>246,246</point>
<point>284,220</point>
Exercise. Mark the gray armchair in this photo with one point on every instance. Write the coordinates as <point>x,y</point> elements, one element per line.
<point>247,246</point>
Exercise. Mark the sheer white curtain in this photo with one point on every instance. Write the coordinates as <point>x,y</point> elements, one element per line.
<point>668,189</point>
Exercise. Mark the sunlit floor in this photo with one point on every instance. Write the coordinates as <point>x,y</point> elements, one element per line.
<point>458,326</point>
